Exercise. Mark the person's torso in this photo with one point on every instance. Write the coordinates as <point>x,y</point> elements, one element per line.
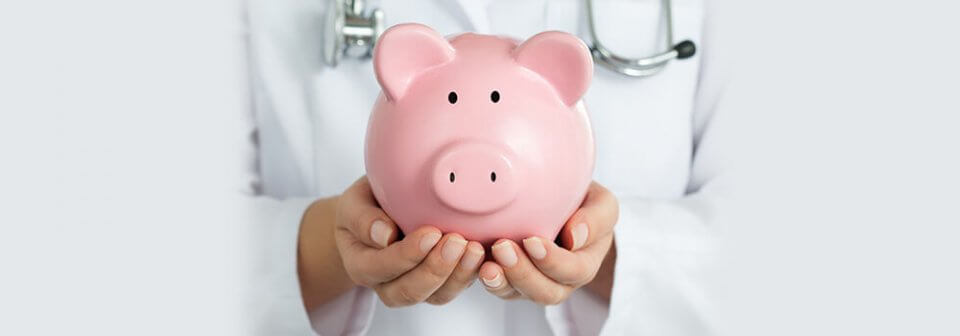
<point>312,118</point>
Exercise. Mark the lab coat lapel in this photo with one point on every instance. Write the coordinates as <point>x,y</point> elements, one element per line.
<point>474,12</point>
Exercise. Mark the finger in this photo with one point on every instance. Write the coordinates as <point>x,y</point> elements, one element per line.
<point>374,266</point>
<point>422,281</point>
<point>594,219</point>
<point>561,265</point>
<point>366,220</point>
<point>461,278</point>
<point>524,276</point>
<point>495,282</point>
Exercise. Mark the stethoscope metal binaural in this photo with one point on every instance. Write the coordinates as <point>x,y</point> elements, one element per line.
<point>350,31</point>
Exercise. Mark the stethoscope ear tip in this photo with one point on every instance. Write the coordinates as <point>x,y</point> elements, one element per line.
<point>685,49</point>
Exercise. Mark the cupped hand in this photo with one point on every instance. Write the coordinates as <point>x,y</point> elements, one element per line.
<point>547,273</point>
<point>423,266</point>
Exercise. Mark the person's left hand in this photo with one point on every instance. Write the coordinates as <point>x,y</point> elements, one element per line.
<point>548,273</point>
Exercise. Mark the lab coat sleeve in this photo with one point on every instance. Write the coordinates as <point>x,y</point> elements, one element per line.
<point>664,247</point>
<point>274,304</point>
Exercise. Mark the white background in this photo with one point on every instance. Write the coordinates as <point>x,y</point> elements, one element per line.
<point>847,217</point>
<point>114,216</point>
<point>845,220</point>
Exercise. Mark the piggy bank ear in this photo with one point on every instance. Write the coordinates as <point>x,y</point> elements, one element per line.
<point>404,52</point>
<point>560,58</point>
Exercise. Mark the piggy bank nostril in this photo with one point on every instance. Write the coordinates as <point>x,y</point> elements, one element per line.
<point>452,177</point>
<point>493,176</point>
<point>452,97</point>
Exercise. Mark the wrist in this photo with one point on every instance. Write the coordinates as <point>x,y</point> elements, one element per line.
<point>319,266</point>
<point>602,284</point>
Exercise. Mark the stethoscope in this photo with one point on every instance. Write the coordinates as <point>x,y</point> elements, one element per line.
<point>351,32</point>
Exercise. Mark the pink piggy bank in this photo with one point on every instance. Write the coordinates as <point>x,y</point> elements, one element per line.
<point>480,135</point>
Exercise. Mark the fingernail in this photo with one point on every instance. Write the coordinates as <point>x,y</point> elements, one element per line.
<point>453,248</point>
<point>472,258</point>
<point>380,233</point>
<point>493,283</point>
<point>580,232</point>
<point>505,254</point>
<point>535,248</point>
<point>428,241</point>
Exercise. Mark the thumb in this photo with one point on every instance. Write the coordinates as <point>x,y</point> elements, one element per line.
<point>359,213</point>
<point>594,219</point>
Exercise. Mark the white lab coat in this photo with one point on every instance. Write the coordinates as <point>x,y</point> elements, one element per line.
<point>654,151</point>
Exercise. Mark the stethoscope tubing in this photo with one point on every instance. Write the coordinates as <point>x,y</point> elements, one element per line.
<point>637,67</point>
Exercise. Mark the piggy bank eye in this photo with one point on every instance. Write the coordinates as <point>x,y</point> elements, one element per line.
<point>452,97</point>
<point>495,96</point>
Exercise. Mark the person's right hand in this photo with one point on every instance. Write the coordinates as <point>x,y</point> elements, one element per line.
<point>423,266</point>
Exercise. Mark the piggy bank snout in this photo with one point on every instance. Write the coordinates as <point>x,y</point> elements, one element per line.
<point>475,178</point>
